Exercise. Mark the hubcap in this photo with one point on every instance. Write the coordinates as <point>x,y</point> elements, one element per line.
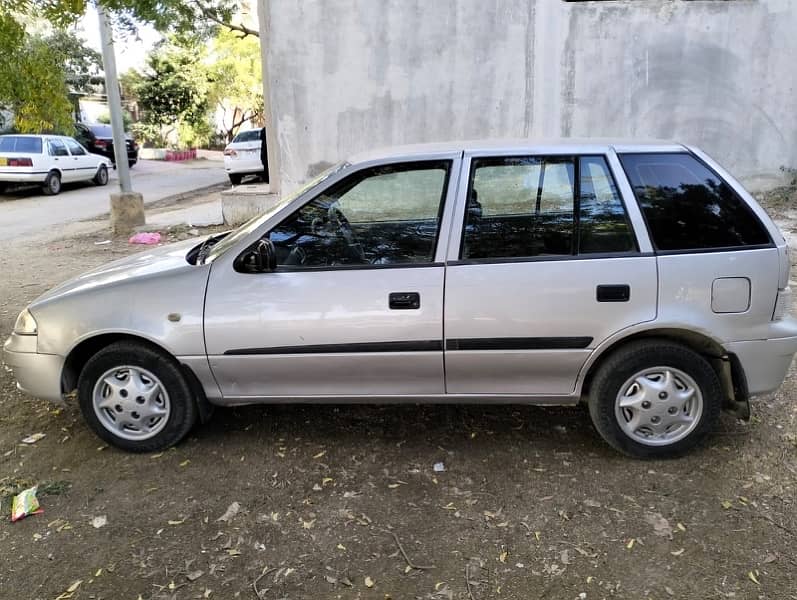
<point>131,403</point>
<point>658,406</point>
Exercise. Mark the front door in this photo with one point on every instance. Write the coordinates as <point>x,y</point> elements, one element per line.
<point>355,306</point>
<point>548,268</point>
<point>82,164</point>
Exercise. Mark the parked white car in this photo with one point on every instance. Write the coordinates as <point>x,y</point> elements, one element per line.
<point>49,161</point>
<point>242,155</point>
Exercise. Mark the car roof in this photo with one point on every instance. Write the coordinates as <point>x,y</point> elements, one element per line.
<point>35,135</point>
<point>519,146</point>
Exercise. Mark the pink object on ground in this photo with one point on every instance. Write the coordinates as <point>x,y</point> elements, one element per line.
<point>145,238</point>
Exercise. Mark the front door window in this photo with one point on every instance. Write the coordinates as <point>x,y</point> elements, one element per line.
<point>387,215</point>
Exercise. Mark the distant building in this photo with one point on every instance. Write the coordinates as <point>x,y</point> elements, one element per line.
<point>349,75</point>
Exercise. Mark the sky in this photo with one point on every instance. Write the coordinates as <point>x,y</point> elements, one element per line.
<point>131,53</point>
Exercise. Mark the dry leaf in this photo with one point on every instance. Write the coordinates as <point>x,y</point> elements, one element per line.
<point>753,578</point>
<point>100,521</point>
<point>308,524</point>
<point>176,522</point>
<point>630,544</point>
<point>231,511</point>
<point>502,556</point>
<point>369,583</point>
<point>681,526</point>
<point>320,454</point>
<point>726,504</point>
<point>677,552</point>
<point>661,526</point>
<point>76,585</point>
<point>185,462</point>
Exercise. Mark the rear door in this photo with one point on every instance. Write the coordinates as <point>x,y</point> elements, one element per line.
<point>59,157</point>
<point>544,266</point>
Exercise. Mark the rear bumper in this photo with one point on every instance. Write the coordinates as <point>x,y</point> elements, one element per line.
<point>6,177</point>
<point>765,362</point>
<point>37,374</point>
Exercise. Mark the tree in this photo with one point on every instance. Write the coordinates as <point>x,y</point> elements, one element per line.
<point>173,91</point>
<point>236,87</point>
<point>33,86</point>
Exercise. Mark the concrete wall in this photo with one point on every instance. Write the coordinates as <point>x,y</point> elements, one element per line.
<point>350,75</point>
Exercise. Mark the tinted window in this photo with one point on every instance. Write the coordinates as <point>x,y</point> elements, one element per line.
<point>524,207</point>
<point>382,216</point>
<point>603,223</point>
<point>13,143</point>
<point>57,148</point>
<point>102,131</point>
<point>74,148</point>
<point>519,207</point>
<point>687,206</point>
<point>253,135</point>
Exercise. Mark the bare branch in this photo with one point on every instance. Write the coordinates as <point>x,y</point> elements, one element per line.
<point>211,16</point>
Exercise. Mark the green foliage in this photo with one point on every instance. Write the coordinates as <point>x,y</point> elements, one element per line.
<point>236,80</point>
<point>127,119</point>
<point>173,93</point>
<point>33,86</point>
<point>82,65</point>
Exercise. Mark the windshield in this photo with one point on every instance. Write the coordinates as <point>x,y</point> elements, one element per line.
<point>251,225</point>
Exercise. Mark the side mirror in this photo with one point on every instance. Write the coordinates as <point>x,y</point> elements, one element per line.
<point>264,256</point>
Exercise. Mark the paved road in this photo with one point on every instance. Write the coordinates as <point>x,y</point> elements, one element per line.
<point>25,211</point>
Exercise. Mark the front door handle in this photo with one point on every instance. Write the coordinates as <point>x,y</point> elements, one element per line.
<point>404,300</point>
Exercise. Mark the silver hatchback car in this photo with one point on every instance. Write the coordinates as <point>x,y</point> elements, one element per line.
<point>641,279</point>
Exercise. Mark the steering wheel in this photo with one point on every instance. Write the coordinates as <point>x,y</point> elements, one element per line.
<point>336,217</point>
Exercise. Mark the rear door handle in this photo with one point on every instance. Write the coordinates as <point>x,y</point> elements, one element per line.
<point>404,300</point>
<point>613,293</point>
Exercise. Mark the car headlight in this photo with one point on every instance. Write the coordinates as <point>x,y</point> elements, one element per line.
<point>26,324</point>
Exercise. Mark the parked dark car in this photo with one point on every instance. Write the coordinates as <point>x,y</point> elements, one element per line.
<point>98,138</point>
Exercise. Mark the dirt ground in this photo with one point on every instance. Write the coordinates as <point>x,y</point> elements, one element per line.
<point>345,501</point>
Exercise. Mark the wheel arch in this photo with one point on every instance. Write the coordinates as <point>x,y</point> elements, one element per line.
<point>80,354</point>
<point>700,342</point>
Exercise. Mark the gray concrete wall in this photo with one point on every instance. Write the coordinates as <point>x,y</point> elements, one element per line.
<point>351,75</point>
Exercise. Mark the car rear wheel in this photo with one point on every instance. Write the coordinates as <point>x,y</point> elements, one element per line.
<point>654,399</point>
<point>52,184</point>
<point>136,397</point>
<point>131,163</point>
<point>101,178</point>
<point>235,179</point>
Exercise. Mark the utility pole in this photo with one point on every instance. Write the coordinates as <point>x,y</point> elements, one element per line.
<point>127,206</point>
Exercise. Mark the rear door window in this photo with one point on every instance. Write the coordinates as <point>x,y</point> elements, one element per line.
<point>537,206</point>
<point>689,207</point>
<point>57,148</point>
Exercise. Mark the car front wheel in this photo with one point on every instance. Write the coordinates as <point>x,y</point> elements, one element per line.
<point>101,178</point>
<point>235,179</point>
<point>655,399</point>
<point>136,397</point>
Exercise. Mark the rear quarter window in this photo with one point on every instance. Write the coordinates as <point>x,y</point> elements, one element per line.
<point>689,207</point>
<point>13,143</point>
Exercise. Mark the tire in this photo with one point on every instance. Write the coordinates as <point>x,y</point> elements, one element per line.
<point>52,184</point>
<point>136,369</point>
<point>659,417</point>
<point>235,179</point>
<point>101,178</point>
<point>131,163</point>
